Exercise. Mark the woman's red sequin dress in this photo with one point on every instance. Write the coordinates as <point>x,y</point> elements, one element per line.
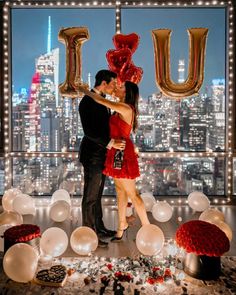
<point>119,129</point>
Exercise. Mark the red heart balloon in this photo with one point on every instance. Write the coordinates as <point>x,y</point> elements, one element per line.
<point>131,73</point>
<point>130,41</point>
<point>117,59</point>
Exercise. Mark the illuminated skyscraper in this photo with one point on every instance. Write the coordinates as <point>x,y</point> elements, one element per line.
<point>217,126</point>
<point>47,65</point>
<point>89,80</point>
<point>33,128</point>
<point>49,44</point>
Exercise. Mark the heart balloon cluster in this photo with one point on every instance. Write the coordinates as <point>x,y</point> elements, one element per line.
<point>120,59</point>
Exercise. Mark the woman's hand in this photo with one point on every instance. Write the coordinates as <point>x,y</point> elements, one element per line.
<point>119,144</point>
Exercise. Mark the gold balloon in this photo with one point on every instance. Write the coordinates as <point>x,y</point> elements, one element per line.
<point>197,45</point>
<point>20,263</point>
<point>83,240</point>
<point>73,38</point>
<point>8,217</point>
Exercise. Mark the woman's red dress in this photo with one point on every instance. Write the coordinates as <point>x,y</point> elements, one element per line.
<point>119,129</point>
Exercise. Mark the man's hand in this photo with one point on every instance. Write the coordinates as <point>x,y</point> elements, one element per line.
<point>119,144</point>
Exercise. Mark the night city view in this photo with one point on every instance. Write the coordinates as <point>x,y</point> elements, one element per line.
<point>42,121</point>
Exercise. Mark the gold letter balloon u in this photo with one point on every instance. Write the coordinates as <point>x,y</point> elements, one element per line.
<point>197,45</point>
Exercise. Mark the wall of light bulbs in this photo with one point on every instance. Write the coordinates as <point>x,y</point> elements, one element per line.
<point>228,154</point>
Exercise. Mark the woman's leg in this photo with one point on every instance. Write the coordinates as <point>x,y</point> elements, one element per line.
<point>122,201</point>
<point>130,188</point>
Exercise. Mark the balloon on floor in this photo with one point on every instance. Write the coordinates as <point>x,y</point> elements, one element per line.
<point>198,201</point>
<point>211,215</point>
<point>20,262</point>
<point>59,211</point>
<point>83,240</point>
<point>162,211</point>
<point>61,194</point>
<point>8,198</point>
<point>54,242</point>
<point>150,239</point>
<point>24,204</point>
<point>8,217</point>
<point>149,200</point>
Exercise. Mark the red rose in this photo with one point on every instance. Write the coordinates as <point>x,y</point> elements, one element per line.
<point>109,266</point>
<point>118,273</point>
<point>155,268</point>
<point>167,272</point>
<point>151,281</point>
<point>160,280</point>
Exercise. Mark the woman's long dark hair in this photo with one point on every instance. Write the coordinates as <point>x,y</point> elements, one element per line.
<point>132,97</point>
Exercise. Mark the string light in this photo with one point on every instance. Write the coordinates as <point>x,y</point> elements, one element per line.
<point>228,155</point>
<point>118,17</point>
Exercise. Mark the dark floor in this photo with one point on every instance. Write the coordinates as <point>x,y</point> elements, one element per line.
<point>127,247</point>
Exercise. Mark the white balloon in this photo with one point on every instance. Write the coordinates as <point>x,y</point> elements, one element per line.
<point>162,211</point>
<point>54,242</point>
<point>8,198</point>
<point>61,194</point>
<point>148,200</point>
<point>198,201</point>
<point>3,228</point>
<point>24,204</point>
<point>150,239</point>
<point>83,240</point>
<point>12,218</point>
<point>212,215</point>
<point>68,185</point>
<point>20,262</point>
<point>59,211</point>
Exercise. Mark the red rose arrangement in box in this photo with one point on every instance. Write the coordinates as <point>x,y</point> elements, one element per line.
<point>202,238</point>
<point>22,233</point>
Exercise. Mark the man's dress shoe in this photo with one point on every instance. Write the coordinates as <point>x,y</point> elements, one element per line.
<point>104,232</point>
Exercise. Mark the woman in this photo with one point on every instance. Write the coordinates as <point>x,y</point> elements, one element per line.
<point>122,123</point>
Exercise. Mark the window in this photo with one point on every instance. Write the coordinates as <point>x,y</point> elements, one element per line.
<point>184,145</point>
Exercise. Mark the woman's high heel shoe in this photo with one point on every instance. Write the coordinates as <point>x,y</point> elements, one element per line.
<point>116,239</point>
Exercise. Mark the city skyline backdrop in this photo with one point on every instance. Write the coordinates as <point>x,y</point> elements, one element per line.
<point>42,121</point>
<point>30,41</point>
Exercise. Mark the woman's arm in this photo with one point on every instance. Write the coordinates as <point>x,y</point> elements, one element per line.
<point>120,107</point>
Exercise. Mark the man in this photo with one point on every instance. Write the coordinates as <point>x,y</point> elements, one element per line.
<point>96,140</point>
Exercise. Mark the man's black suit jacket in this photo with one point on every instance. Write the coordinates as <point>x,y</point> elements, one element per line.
<point>95,122</point>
